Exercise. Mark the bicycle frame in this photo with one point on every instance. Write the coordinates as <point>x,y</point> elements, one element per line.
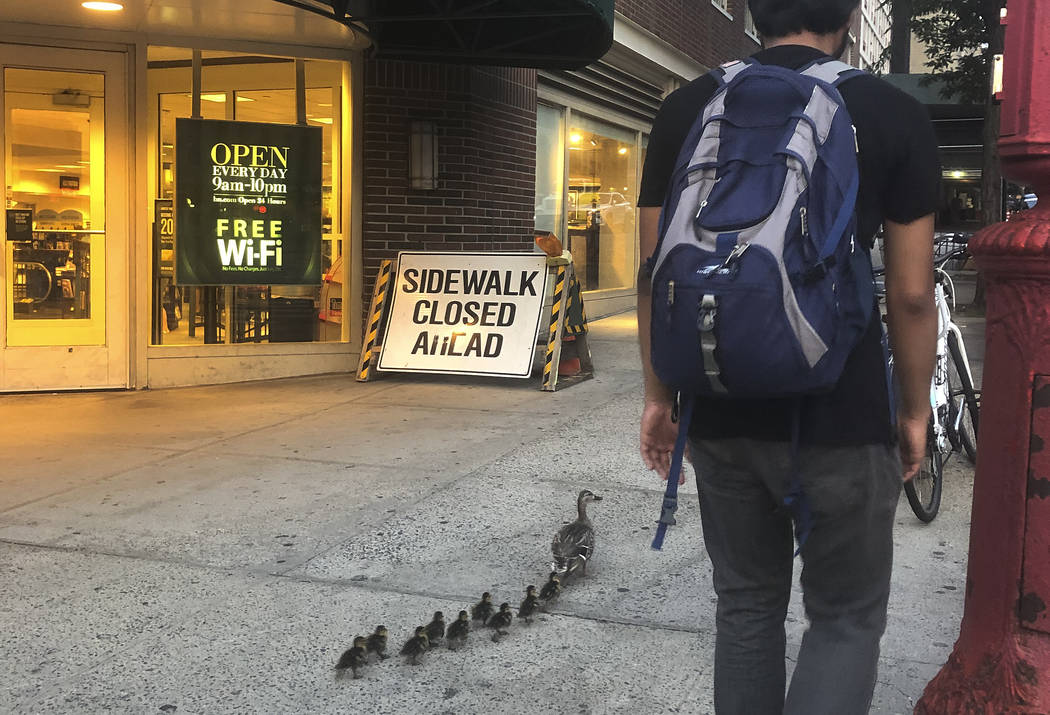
<point>940,390</point>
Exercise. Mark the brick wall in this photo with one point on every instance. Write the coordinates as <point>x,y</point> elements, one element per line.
<point>696,27</point>
<point>486,126</point>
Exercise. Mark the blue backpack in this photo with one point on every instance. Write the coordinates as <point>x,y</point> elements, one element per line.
<point>760,288</point>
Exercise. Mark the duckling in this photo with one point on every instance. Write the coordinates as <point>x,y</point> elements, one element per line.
<point>377,642</point>
<point>457,632</point>
<point>483,608</point>
<point>499,621</point>
<point>436,628</point>
<point>573,545</point>
<point>354,658</point>
<point>551,590</point>
<point>529,605</point>
<point>416,646</point>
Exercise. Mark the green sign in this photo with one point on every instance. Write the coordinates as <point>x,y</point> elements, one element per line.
<point>247,203</point>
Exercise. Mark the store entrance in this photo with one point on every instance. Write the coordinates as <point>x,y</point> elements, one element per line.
<point>64,271</point>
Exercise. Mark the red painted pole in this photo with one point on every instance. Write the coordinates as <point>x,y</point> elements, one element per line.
<point>1001,661</point>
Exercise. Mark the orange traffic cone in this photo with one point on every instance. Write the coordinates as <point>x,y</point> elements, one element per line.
<point>569,364</point>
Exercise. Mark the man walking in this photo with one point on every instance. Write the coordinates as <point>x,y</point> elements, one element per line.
<point>846,450</point>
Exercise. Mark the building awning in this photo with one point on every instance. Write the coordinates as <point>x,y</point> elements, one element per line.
<point>545,34</point>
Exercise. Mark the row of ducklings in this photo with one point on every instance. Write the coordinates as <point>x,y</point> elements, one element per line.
<point>572,547</point>
<point>455,636</point>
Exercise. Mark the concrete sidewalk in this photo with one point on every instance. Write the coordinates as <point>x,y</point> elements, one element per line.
<point>215,549</point>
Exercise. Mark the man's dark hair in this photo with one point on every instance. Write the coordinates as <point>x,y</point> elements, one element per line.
<point>778,18</point>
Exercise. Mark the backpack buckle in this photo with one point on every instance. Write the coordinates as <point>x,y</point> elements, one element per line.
<point>735,254</point>
<point>667,511</point>
<point>818,271</point>
<point>705,320</point>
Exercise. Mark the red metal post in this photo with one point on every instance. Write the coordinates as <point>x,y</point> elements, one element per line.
<point>1001,661</point>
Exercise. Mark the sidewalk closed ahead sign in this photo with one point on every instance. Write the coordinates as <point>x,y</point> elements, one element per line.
<point>465,313</point>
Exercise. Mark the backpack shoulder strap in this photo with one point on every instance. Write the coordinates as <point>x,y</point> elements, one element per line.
<point>834,72</point>
<point>726,73</point>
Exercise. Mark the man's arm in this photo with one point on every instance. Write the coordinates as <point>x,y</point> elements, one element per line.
<point>912,319</point>
<point>658,432</point>
<point>649,219</point>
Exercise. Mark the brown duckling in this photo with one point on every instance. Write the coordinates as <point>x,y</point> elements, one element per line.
<point>377,642</point>
<point>416,646</point>
<point>436,628</point>
<point>353,658</point>
<point>483,608</point>
<point>456,636</point>
<point>530,605</point>
<point>500,622</point>
<point>551,590</point>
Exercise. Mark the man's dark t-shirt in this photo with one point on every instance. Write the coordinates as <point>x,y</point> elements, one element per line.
<point>899,174</point>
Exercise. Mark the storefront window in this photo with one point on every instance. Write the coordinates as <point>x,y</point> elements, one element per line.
<point>55,252</point>
<point>550,169</point>
<point>601,195</point>
<point>248,89</point>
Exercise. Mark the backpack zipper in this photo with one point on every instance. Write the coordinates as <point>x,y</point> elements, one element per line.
<point>803,215</point>
<point>670,293</point>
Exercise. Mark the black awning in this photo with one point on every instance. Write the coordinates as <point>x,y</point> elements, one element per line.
<point>546,34</point>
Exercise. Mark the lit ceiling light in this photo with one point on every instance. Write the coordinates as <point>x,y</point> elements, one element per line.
<point>320,120</point>
<point>957,174</point>
<point>575,138</point>
<point>103,6</point>
<point>623,150</point>
<point>220,97</point>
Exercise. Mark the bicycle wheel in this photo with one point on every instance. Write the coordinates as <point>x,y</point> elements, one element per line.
<point>924,489</point>
<point>964,398</point>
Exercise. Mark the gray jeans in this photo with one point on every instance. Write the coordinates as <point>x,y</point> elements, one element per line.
<point>847,559</point>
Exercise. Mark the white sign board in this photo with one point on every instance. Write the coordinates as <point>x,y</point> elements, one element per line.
<point>465,313</point>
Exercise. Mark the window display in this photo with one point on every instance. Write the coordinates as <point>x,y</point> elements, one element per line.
<point>592,209</point>
<point>601,193</point>
<point>236,88</point>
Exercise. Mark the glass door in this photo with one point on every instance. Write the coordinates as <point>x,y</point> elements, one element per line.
<point>65,230</point>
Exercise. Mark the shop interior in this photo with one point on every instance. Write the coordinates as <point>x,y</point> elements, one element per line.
<point>55,200</point>
<point>600,207</point>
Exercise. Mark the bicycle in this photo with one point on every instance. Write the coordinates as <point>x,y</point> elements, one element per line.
<point>954,400</point>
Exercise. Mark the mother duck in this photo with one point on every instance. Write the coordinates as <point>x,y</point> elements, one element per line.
<point>573,545</point>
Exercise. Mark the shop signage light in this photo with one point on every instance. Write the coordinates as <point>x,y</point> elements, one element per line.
<point>465,313</point>
<point>248,203</point>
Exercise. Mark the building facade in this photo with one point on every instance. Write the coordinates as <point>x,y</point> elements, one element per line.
<point>406,155</point>
<point>872,36</point>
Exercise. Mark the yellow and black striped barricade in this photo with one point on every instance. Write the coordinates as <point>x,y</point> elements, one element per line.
<point>568,319</point>
<point>369,349</point>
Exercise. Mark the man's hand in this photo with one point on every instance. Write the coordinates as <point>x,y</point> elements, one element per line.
<point>912,432</point>
<point>658,437</point>
<point>912,319</point>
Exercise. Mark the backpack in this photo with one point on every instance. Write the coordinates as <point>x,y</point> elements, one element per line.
<point>760,288</point>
